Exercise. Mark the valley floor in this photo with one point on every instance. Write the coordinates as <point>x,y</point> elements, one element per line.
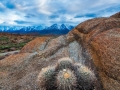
<point>13,42</point>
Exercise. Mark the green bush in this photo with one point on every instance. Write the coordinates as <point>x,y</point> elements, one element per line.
<point>4,38</point>
<point>8,46</point>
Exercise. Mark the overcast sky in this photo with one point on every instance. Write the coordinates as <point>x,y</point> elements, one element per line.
<point>38,12</point>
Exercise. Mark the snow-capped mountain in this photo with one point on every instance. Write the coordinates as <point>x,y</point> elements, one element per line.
<point>26,28</point>
<point>53,29</point>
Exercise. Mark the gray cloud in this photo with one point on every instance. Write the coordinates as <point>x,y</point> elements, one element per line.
<point>22,22</point>
<point>53,16</point>
<point>30,15</point>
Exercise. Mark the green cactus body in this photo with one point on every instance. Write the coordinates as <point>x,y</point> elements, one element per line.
<point>66,80</point>
<point>85,77</point>
<point>87,73</point>
<point>64,63</point>
<point>46,78</point>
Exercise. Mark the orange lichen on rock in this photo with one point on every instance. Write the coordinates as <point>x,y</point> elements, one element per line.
<point>34,45</point>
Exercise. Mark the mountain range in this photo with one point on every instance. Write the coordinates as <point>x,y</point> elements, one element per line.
<point>38,30</point>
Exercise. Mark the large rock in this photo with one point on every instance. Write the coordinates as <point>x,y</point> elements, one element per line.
<point>101,37</point>
<point>94,43</point>
<point>107,48</point>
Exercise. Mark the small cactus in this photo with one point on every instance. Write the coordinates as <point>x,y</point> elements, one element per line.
<point>46,77</point>
<point>85,76</point>
<point>77,65</point>
<point>66,80</point>
<point>64,63</point>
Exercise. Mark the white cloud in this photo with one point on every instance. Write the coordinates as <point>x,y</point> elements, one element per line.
<point>1,21</point>
<point>66,10</point>
<point>43,6</point>
<point>10,16</point>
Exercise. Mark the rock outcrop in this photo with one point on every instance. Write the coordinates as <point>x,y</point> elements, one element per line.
<point>117,15</point>
<point>94,43</point>
<point>102,40</point>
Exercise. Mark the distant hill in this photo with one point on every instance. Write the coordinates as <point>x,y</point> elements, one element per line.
<point>38,30</point>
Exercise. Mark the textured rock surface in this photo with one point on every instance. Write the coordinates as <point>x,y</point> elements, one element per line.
<point>101,37</point>
<point>35,45</point>
<point>117,15</point>
<point>95,43</point>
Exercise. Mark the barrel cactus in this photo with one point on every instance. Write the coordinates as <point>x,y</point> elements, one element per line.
<point>46,78</point>
<point>85,76</point>
<point>66,75</point>
<point>64,63</point>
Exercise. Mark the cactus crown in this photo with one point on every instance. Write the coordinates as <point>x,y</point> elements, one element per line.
<point>66,76</point>
<point>66,80</point>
